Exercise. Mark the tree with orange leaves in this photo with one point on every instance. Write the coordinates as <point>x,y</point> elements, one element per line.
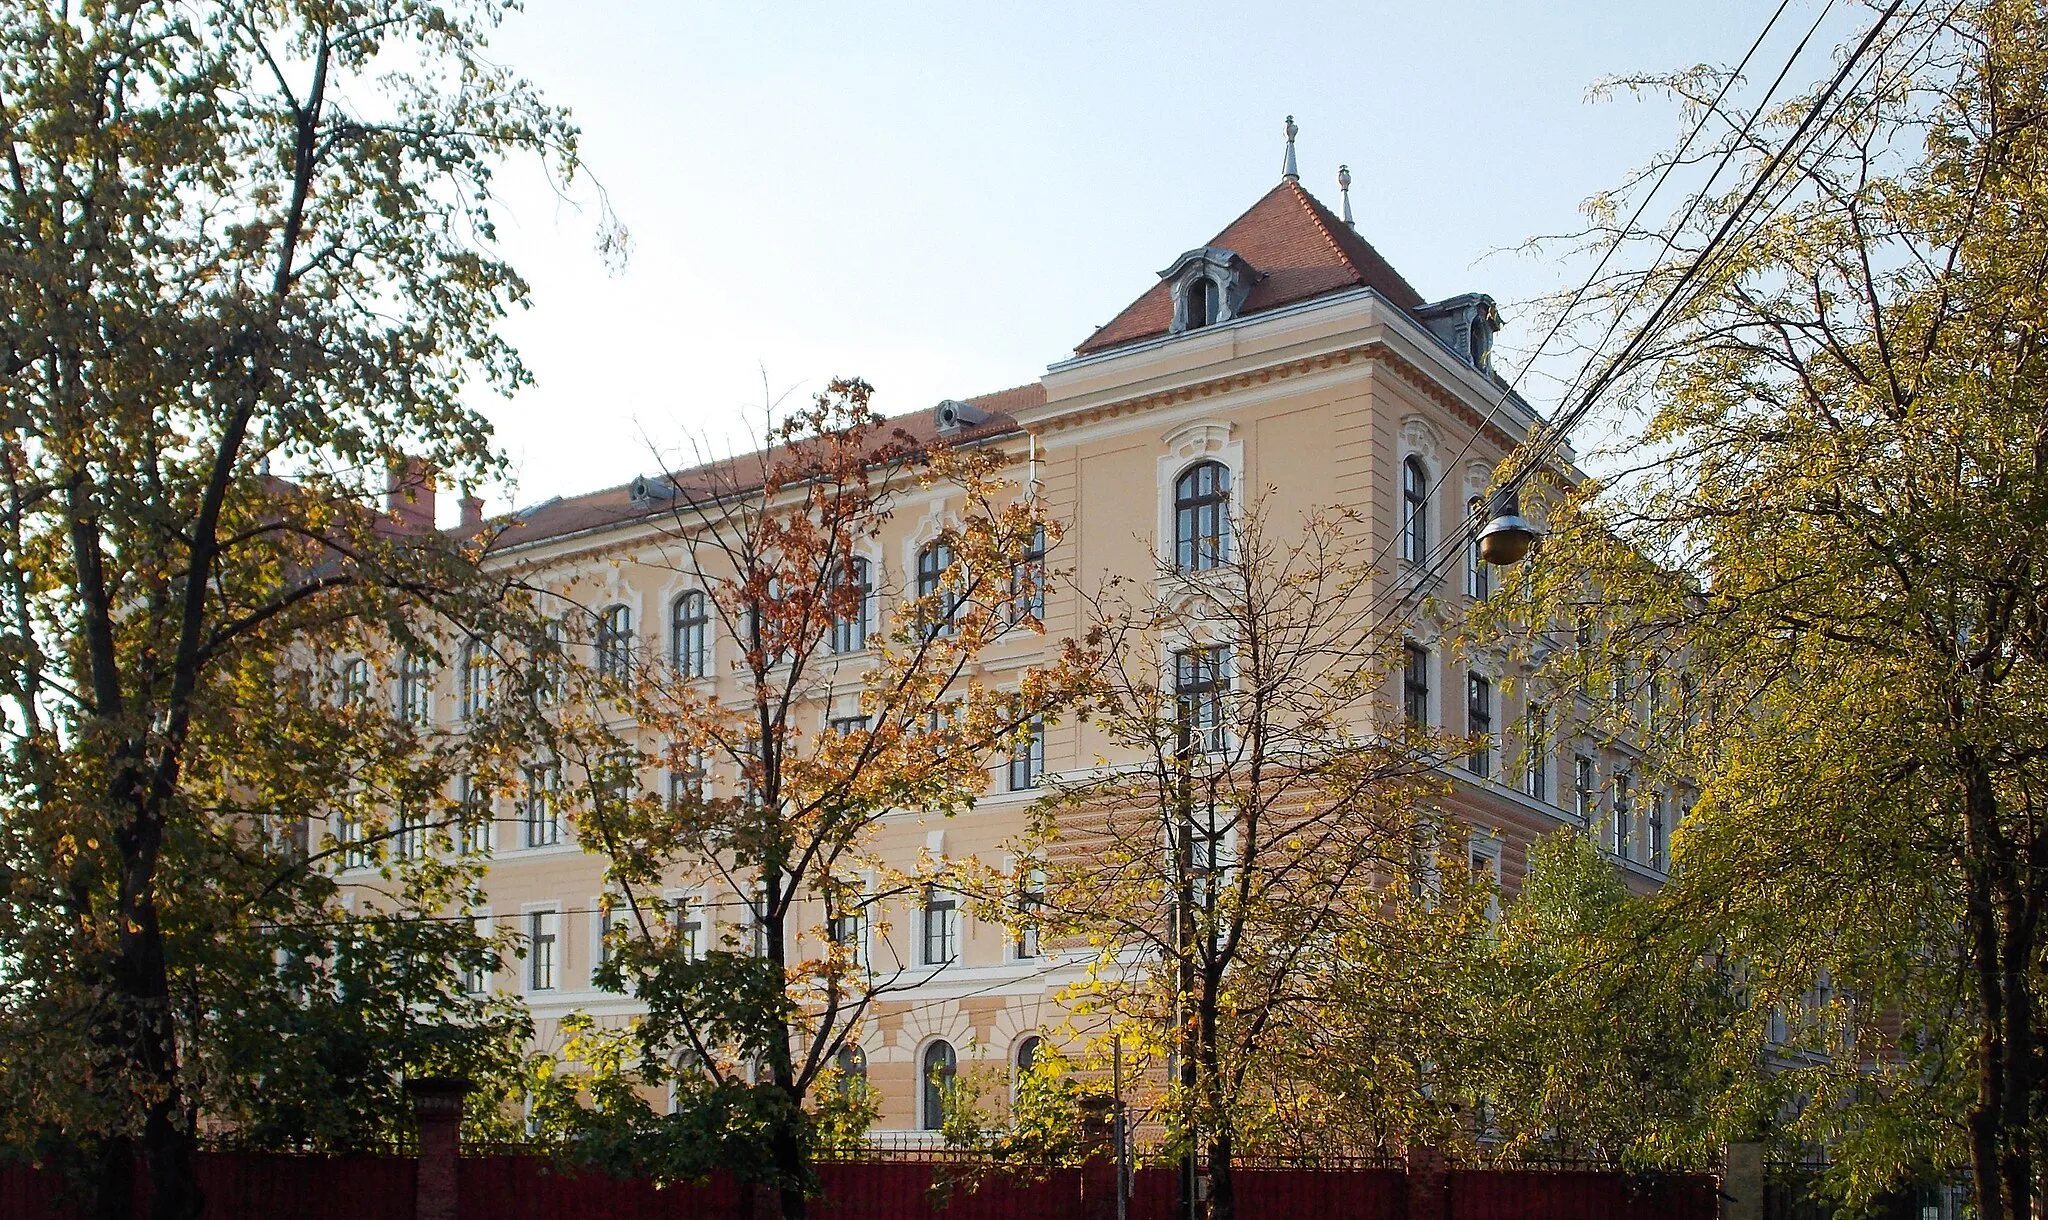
<point>826,715</point>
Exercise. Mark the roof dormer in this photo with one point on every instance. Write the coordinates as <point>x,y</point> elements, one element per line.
<point>1466,325</point>
<point>1209,285</point>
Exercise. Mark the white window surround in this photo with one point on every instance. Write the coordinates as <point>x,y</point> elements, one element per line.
<point>481,916</point>
<point>670,593</point>
<point>1418,440</point>
<point>1210,440</point>
<point>551,924</point>
<point>1485,852</point>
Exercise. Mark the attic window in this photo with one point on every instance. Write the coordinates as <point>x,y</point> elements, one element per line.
<point>1481,343</point>
<point>1201,302</point>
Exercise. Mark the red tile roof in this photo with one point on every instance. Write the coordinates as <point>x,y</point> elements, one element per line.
<point>1298,249</point>
<point>615,505</point>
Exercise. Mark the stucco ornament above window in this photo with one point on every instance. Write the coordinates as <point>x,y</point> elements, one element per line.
<point>1209,285</point>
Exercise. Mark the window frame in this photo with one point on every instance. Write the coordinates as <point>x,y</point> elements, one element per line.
<point>543,944</point>
<point>1202,517</point>
<point>849,634</point>
<point>542,788</point>
<point>1027,758</point>
<point>1203,676</point>
<point>612,642</point>
<point>1415,683</point>
<point>689,633</point>
<point>934,561</point>
<point>1536,747</point>
<point>1414,510</point>
<point>415,690</point>
<point>934,1076</point>
<point>939,927</point>
<point>1479,722</point>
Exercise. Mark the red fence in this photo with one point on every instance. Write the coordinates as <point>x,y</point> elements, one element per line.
<point>259,1186</point>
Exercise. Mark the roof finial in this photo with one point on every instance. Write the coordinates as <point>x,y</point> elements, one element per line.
<point>1344,186</point>
<point>1287,171</point>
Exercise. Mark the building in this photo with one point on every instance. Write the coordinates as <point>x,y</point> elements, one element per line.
<point>1284,353</point>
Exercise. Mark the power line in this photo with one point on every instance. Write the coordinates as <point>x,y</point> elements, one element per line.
<point>1553,438</point>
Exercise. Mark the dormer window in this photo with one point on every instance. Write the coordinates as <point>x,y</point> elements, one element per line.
<point>1209,286</point>
<point>1201,302</point>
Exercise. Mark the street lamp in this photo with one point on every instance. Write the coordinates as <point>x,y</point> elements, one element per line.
<point>1508,536</point>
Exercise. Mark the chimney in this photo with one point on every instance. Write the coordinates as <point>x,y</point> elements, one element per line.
<point>410,495</point>
<point>472,512</point>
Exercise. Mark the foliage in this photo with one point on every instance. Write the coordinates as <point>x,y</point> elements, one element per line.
<point>1263,801</point>
<point>850,692</point>
<point>1830,529</point>
<point>238,238</point>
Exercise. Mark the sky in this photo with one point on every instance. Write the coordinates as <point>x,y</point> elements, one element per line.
<point>945,198</point>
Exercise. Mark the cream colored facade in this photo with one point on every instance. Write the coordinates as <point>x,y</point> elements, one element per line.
<point>1315,403</point>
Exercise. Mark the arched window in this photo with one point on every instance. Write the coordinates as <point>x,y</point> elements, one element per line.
<point>1201,517</point>
<point>355,682</point>
<point>1478,573</point>
<point>850,628</point>
<point>415,690</point>
<point>1414,511</point>
<point>852,1063</point>
<point>689,630</point>
<point>1201,302</point>
<point>932,563</point>
<point>614,644</point>
<point>1026,1057</point>
<point>936,1068</point>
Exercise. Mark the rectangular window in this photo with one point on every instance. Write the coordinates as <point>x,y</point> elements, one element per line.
<point>1585,789</point>
<point>541,813</point>
<point>941,926</point>
<point>1536,741</point>
<point>1027,758</point>
<point>1624,813</point>
<point>687,785</point>
<point>686,926</point>
<point>412,835</point>
<point>542,929</point>
<point>476,975</point>
<point>846,726</point>
<point>1030,903</point>
<point>1415,683</point>
<point>849,931</point>
<point>1201,682</point>
<point>1479,722</point>
<point>1658,841</point>
<point>851,589</point>
<point>1027,581</point>
<point>349,833</point>
<point>1478,572</point>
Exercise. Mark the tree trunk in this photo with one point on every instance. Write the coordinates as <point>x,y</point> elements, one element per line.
<point>787,1149</point>
<point>1222,1186</point>
<point>2001,951</point>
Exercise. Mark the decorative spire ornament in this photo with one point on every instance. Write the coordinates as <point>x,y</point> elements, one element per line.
<point>1288,173</point>
<point>1344,188</point>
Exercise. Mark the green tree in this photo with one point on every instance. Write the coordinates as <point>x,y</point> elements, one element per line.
<point>1830,531</point>
<point>1264,798</point>
<point>236,237</point>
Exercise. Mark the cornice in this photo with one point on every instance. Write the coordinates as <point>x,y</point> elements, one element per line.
<point>1376,351</point>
